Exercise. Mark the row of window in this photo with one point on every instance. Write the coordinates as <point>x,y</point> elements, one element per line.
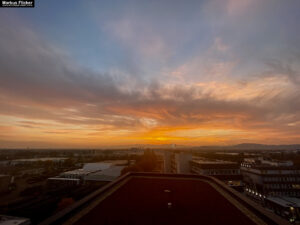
<point>272,193</point>
<point>284,193</point>
<point>279,186</point>
<point>282,179</point>
<point>216,172</point>
<point>283,172</point>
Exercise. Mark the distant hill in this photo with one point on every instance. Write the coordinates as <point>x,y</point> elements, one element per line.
<point>243,146</point>
<point>251,146</point>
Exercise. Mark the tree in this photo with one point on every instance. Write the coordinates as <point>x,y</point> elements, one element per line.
<point>64,203</point>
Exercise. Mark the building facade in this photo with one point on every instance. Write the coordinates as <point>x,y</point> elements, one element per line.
<point>180,163</point>
<point>228,172</point>
<point>265,178</point>
<point>215,168</point>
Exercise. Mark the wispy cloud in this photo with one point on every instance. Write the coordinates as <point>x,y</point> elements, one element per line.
<point>210,93</point>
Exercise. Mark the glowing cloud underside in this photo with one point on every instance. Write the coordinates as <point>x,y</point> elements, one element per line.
<point>204,73</point>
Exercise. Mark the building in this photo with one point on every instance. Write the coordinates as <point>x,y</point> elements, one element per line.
<point>286,207</point>
<point>265,178</point>
<point>152,198</point>
<point>87,169</point>
<point>55,181</point>
<point>11,220</point>
<point>75,174</point>
<point>177,162</point>
<point>167,162</point>
<point>36,160</point>
<point>98,172</point>
<point>96,166</point>
<point>104,176</point>
<point>160,162</point>
<point>229,172</point>
<point>217,168</point>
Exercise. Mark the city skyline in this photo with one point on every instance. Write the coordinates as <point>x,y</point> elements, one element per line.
<point>93,74</point>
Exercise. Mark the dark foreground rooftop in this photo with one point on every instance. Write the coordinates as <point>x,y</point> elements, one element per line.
<point>148,198</point>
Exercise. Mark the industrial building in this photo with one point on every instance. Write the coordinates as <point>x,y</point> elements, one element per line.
<point>100,172</point>
<point>106,175</point>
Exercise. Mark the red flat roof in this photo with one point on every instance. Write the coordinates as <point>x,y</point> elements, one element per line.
<point>165,199</point>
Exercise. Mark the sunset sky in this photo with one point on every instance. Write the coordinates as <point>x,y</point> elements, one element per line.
<point>108,73</point>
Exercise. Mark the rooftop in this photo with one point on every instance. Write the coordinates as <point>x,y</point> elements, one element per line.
<point>96,166</point>
<point>76,172</point>
<point>39,159</point>
<point>213,162</point>
<point>109,168</point>
<point>10,220</point>
<point>285,201</point>
<point>109,174</point>
<point>267,163</point>
<point>149,198</point>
